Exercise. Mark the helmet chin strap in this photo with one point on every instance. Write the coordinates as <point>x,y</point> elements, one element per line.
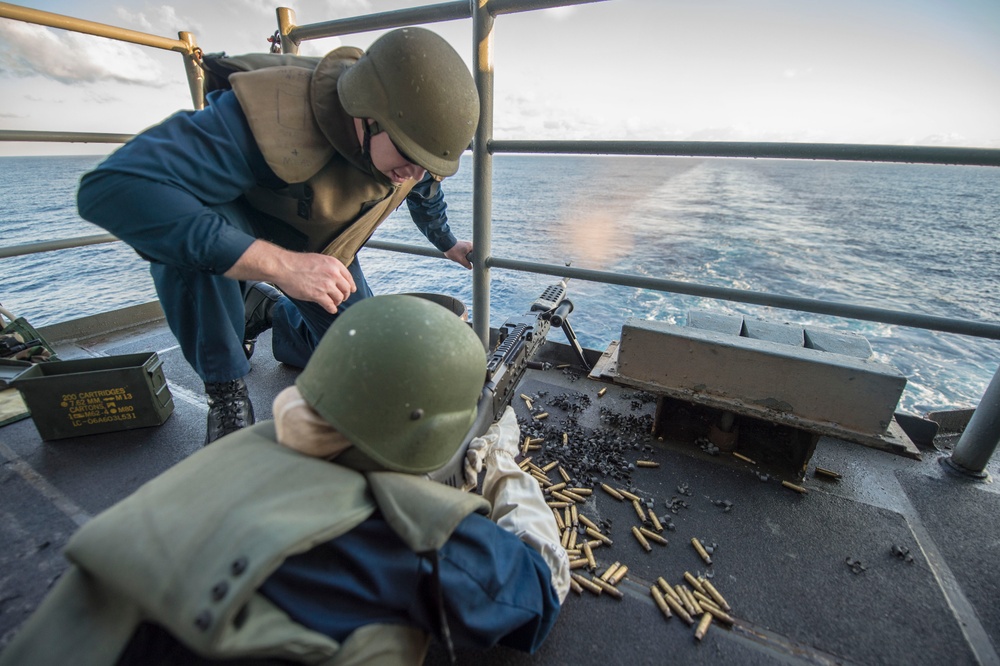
<point>371,128</point>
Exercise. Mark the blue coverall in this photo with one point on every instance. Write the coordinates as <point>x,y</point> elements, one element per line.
<point>173,193</point>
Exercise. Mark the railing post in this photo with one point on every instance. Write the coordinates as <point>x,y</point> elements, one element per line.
<point>976,445</point>
<point>482,183</point>
<point>286,21</point>
<point>195,74</point>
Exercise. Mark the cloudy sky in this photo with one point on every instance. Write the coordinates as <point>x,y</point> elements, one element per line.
<point>923,72</point>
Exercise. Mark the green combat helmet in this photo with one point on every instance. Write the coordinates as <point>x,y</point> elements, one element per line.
<point>400,377</point>
<point>414,84</point>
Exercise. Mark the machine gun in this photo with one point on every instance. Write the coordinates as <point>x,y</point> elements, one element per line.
<point>519,339</point>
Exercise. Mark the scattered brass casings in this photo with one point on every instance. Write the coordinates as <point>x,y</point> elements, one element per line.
<point>650,534</point>
<point>646,463</point>
<point>579,564</point>
<point>535,468</point>
<point>608,587</point>
<point>639,511</point>
<point>557,505</point>
<point>575,586</point>
<point>701,550</point>
<point>536,440</point>
<point>588,552</point>
<point>611,491</point>
<point>597,535</point>
<point>685,599</point>
<point>586,492</point>
<point>568,516</point>
<point>587,522</point>
<point>627,495</point>
<point>714,593</point>
<point>600,394</point>
<point>559,521</point>
<point>564,474</point>
<point>656,521</point>
<point>555,487</point>
<point>676,607</point>
<point>693,582</point>
<point>542,416</point>
<point>798,489</point>
<point>534,447</point>
<point>706,620</point>
<point>573,496</point>
<point>551,465</point>
<point>829,473</point>
<point>610,571</point>
<point>744,458</point>
<point>573,535</point>
<point>524,447</point>
<point>574,515</point>
<point>525,463</point>
<point>541,478</point>
<point>641,539</point>
<point>594,543</point>
<point>586,584</point>
<point>564,538</point>
<point>618,574</point>
<point>660,601</point>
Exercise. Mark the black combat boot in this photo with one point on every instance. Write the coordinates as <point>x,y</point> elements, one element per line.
<point>229,408</point>
<point>257,303</point>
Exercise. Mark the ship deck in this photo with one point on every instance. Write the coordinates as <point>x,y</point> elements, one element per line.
<point>894,563</point>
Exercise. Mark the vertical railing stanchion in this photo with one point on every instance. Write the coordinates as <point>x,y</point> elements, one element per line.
<point>981,437</point>
<point>286,21</point>
<point>482,183</point>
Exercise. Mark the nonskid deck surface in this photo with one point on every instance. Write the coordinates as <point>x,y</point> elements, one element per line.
<point>893,563</point>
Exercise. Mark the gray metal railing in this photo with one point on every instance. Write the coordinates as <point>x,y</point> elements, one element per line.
<point>974,450</point>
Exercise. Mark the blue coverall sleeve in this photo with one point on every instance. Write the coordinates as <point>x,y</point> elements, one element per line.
<point>156,192</point>
<point>430,213</point>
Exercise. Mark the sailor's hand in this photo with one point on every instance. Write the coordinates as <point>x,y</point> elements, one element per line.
<point>460,252</point>
<point>306,276</point>
<point>318,278</point>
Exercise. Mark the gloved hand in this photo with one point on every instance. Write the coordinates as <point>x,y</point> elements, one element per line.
<point>503,435</point>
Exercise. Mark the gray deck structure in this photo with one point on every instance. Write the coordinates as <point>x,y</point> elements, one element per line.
<point>895,563</point>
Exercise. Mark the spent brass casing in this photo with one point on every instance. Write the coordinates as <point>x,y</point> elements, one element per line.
<point>600,394</point>
<point>714,593</point>
<point>579,564</point>
<point>524,447</point>
<point>721,616</point>
<point>525,463</point>
<point>667,590</point>
<point>608,587</point>
<point>676,607</point>
<point>534,447</point>
<point>536,440</point>
<point>829,473</point>
<point>610,571</point>
<point>564,537</point>
<point>611,491</point>
<point>646,463</point>
<point>597,535</point>
<point>568,515</point>
<point>744,458</point>
<point>650,534</point>
<point>694,582</point>
<point>798,489</point>
<point>565,439</point>
<point>660,601</point>
<point>564,474</point>
<point>641,539</point>
<point>574,515</point>
<point>704,601</point>
<point>535,468</point>
<point>587,522</point>
<point>575,586</point>
<point>701,550</point>
<point>685,599</point>
<point>555,487</point>
<point>639,511</point>
<point>618,574</point>
<point>562,497</point>
<point>698,610</point>
<point>573,535</point>
<point>559,521</point>
<point>706,620</point>
<point>586,492</point>
<point>573,496</point>
<point>551,465</point>
<point>656,521</point>
<point>557,505</point>
<point>627,495</point>
<point>588,552</point>
<point>586,584</point>
<point>542,416</point>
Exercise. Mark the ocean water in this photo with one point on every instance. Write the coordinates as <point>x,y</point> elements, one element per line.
<point>916,238</point>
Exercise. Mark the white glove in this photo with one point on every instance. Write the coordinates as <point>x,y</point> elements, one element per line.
<point>503,435</point>
<point>518,504</point>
